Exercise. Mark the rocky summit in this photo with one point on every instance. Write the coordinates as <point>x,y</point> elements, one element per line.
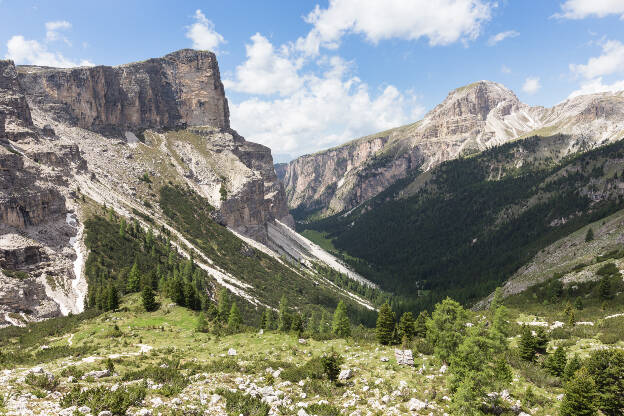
<point>471,119</point>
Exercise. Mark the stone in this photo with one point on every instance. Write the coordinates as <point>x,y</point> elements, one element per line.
<point>97,374</point>
<point>105,413</point>
<point>302,412</point>
<point>231,352</point>
<point>144,412</point>
<point>414,404</point>
<point>404,357</point>
<point>302,341</point>
<point>345,374</point>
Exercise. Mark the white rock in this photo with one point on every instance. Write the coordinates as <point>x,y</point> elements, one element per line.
<point>302,341</point>
<point>345,374</point>
<point>105,413</point>
<point>84,409</point>
<point>231,352</point>
<point>302,412</point>
<point>415,404</point>
<point>384,359</point>
<point>144,412</point>
<point>215,399</point>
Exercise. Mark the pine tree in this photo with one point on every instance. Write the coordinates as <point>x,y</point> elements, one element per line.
<point>223,304</point>
<point>202,323</point>
<point>341,326</point>
<point>122,228</point>
<point>446,328</point>
<point>420,325</point>
<point>297,323</point>
<point>385,324</point>
<point>134,279</point>
<point>500,328</point>
<point>541,340</point>
<point>112,302</point>
<point>234,319</point>
<point>406,328</point>
<point>556,362</point>
<point>607,370</point>
<point>267,318</point>
<point>580,395</point>
<point>578,303</point>
<point>284,317</point>
<point>604,288</point>
<point>571,319</point>
<point>468,397</point>
<point>149,300</point>
<point>324,325</point>
<point>527,344</point>
<point>573,365</point>
<point>590,235</point>
<point>497,299</point>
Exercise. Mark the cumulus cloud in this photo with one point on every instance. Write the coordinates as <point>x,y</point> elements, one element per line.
<point>33,52</point>
<point>611,61</point>
<point>203,33</point>
<point>531,85</point>
<point>499,37</point>
<point>441,22</point>
<point>312,111</point>
<point>266,71</point>
<point>53,30</point>
<point>596,85</point>
<point>580,9</point>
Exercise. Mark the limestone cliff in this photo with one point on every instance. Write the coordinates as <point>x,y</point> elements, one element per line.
<point>180,89</point>
<point>469,120</point>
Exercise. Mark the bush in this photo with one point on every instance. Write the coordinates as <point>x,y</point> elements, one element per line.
<point>101,398</point>
<point>331,365</point>
<point>323,410</point>
<point>313,369</point>
<point>169,376</point>
<point>41,381</point>
<point>238,403</point>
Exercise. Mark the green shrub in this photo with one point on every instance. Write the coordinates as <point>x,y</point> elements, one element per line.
<point>41,381</point>
<point>238,403</point>
<point>313,369</point>
<point>331,365</point>
<point>168,375</point>
<point>323,410</point>
<point>102,398</point>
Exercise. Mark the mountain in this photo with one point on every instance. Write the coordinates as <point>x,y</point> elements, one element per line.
<point>471,119</point>
<point>87,152</point>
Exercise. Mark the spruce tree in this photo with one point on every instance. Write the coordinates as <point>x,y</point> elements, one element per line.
<point>223,304</point>
<point>574,364</point>
<point>527,344</point>
<point>148,298</point>
<point>113,298</point>
<point>578,303</point>
<point>497,299</point>
<point>122,228</point>
<point>297,323</point>
<point>607,370</point>
<point>234,319</point>
<point>420,325</point>
<point>500,328</point>
<point>134,279</point>
<point>283,318</point>
<point>604,288</point>
<point>406,329</point>
<point>341,326</point>
<point>541,340</point>
<point>385,324</point>
<point>202,323</point>
<point>589,236</point>
<point>324,325</point>
<point>580,395</point>
<point>556,362</point>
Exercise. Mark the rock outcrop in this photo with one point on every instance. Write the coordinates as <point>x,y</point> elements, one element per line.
<point>180,89</point>
<point>471,119</point>
<point>15,118</point>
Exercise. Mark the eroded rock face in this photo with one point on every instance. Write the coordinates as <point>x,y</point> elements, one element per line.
<point>469,120</point>
<point>15,118</point>
<point>180,89</point>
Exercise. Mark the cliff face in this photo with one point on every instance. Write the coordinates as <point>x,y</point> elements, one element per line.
<point>469,120</point>
<point>71,132</point>
<point>180,89</point>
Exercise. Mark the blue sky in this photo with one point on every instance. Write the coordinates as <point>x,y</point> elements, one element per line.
<point>306,75</point>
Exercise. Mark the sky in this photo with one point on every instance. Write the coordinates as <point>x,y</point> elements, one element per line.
<point>302,76</point>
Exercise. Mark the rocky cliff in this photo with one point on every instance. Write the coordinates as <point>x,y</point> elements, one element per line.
<point>472,118</point>
<point>180,89</point>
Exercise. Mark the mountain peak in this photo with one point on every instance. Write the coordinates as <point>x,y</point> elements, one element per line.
<point>476,99</point>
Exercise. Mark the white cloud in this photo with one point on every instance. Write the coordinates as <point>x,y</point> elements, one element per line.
<point>442,22</point>
<point>53,29</point>
<point>595,86</point>
<point>505,69</point>
<point>321,111</point>
<point>580,9</point>
<point>24,51</point>
<point>203,33</point>
<point>531,85</point>
<point>266,71</point>
<point>611,61</point>
<point>499,37</point>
